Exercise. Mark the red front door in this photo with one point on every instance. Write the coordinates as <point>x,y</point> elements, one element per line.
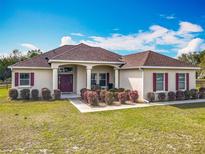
<point>66,82</point>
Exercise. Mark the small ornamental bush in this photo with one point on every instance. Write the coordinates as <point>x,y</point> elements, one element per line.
<point>98,93</point>
<point>187,94</point>
<point>102,95</point>
<point>121,90</point>
<point>46,94</point>
<point>57,94</point>
<point>85,96</point>
<point>180,95</point>
<point>133,95</point>
<point>202,93</point>
<point>128,94</point>
<point>82,93</point>
<point>25,94</point>
<point>113,90</point>
<point>161,96</point>
<point>202,89</point>
<point>92,98</point>
<point>115,95</point>
<point>194,93</point>
<point>150,96</point>
<point>171,96</point>
<point>109,98</point>
<point>13,94</point>
<point>122,96</point>
<point>35,94</point>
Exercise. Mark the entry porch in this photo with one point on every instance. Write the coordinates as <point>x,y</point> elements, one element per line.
<point>71,78</point>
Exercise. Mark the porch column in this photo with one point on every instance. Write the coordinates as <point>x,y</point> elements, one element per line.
<point>88,71</point>
<point>116,78</point>
<point>55,78</point>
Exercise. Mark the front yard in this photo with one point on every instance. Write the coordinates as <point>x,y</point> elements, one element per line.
<point>58,127</point>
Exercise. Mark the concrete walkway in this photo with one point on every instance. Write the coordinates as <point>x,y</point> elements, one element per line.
<point>82,107</point>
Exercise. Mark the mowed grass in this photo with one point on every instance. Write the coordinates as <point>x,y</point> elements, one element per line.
<point>58,127</point>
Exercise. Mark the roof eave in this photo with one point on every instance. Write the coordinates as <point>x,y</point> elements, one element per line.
<point>163,67</point>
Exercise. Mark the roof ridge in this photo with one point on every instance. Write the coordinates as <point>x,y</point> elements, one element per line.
<point>147,56</point>
<point>75,46</point>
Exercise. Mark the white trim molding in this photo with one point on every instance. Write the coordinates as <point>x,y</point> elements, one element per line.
<point>27,67</point>
<point>82,61</point>
<point>163,67</point>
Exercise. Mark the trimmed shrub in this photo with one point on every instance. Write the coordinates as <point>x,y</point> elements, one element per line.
<point>92,98</point>
<point>109,98</point>
<point>85,98</point>
<point>202,89</point>
<point>121,90</point>
<point>151,96</point>
<point>187,94</point>
<point>128,95</point>
<point>113,90</point>
<point>122,96</point>
<point>194,93</point>
<point>57,94</point>
<point>98,93</point>
<point>115,95</point>
<point>13,94</point>
<point>202,93</point>
<point>171,96</point>
<point>102,95</point>
<point>46,94</point>
<point>133,95</point>
<point>161,96</point>
<point>82,93</point>
<point>35,94</point>
<point>25,94</point>
<point>180,95</point>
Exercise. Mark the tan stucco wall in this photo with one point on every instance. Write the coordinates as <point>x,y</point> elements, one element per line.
<point>132,79</point>
<point>42,78</point>
<point>148,77</point>
<point>80,78</point>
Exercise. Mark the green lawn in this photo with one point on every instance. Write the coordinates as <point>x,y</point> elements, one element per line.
<point>58,127</point>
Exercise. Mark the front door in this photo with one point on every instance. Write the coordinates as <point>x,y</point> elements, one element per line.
<point>66,82</point>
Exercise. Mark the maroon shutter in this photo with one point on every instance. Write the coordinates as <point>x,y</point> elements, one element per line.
<point>166,81</point>
<point>187,81</point>
<point>108,78</point>
<point>154,81</point>
<point>177,81</point>
<point>32,79</point>
<point>16,79</point>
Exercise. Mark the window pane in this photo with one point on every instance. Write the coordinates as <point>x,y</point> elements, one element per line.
<point>159,81</point>
<point>102,83</point>
<point>24,82</point>
<point>93,76</point>
<point>24,75</point>
<point>102,76</point>
<point>181,81</point>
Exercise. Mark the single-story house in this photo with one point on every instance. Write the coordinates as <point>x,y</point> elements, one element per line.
<point>73,67</point>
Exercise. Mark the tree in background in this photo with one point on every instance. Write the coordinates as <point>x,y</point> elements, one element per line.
<point>197,59</point>
<point>33,53</point>
<point>12,58</point>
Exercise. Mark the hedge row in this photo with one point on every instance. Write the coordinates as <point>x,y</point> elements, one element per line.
<point>93,97</point>
<point>33,94</point>
<point>178,95</point>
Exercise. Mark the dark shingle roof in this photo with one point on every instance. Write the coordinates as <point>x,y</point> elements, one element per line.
<point>150,58</point>
<point>82,52</point>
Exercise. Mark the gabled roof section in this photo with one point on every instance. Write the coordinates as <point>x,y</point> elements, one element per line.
<point>42,60</point>
<point>150,58</point>
<point>83,52</point>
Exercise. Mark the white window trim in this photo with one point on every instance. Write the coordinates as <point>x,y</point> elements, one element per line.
<point>159,91</point>
<point>184,82</point>
<point>24,86</point>
<point>95,78</point>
